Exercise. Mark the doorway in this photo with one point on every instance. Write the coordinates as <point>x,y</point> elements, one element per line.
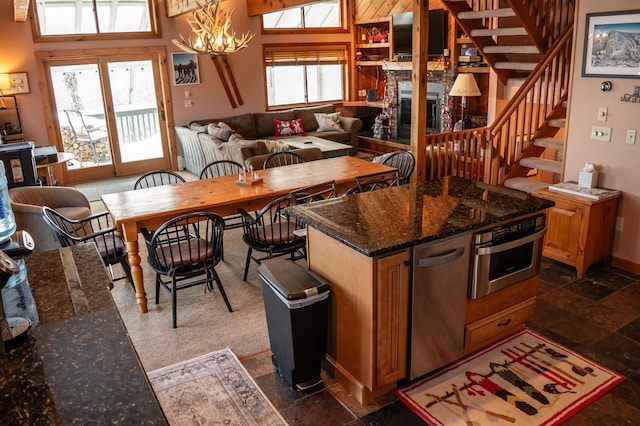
<point>108,111</point>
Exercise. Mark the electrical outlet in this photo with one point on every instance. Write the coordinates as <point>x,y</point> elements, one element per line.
<point>619,223</point>
<point>362,92</point>
<point>631,137</point>
<point>599,133</point>
<point>602,114</point>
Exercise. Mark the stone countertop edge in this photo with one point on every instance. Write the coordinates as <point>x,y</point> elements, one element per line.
<point>451,205</point>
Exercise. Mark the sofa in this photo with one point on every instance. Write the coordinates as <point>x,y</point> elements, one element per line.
<point>241,137</point>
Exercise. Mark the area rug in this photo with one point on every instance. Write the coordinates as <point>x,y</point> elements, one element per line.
<point>212,389</point>
<point>522,379</point>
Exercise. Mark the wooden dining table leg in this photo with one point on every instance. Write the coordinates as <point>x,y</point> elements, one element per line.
<point>130,237</point>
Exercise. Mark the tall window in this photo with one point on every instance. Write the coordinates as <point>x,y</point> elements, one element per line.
<point>298,75</point>
<point>324,14</point>
<point>60,18</point>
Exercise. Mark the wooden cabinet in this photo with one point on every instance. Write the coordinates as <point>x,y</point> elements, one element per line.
<point>579,230</point>
<point>369,314</point>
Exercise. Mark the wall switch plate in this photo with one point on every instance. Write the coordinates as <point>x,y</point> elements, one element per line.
<point>599,133</point>
<point>602,114</point>
<point>188,103</point>
<point>631,137</point>
<point>619,223</point>
<point>187,94</point>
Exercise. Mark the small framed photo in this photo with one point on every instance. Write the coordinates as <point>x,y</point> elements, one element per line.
<point>18,84</point>
<point>612,45</point>
<point>185,69</point>
<point>178,7</point>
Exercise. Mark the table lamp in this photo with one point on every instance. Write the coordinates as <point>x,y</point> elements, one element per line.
<point>465,85</point>
<point>5,84</point>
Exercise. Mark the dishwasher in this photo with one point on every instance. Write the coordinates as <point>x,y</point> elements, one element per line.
<point>440,274</point>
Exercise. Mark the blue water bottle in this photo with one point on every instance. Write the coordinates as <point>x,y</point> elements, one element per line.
<point>7,220</point>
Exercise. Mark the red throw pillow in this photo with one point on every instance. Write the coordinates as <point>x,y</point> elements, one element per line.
<point>289,128</point>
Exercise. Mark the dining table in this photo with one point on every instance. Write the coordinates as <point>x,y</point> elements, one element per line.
<point>224,195</point>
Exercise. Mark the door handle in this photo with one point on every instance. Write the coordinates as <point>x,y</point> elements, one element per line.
<point>441,258</point>
<point>482,251</point>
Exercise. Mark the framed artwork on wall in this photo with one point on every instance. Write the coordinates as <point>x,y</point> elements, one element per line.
<point>178,7</point>
<point>612,45</point>
<point>185,69</point>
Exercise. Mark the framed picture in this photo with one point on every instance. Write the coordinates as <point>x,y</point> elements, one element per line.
<point>612,45</point>
<point>178,7</point>
<point>19,83</point>
<point>185,69</point>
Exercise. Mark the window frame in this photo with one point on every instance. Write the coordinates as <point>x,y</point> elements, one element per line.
<point>344,22</point>
<point>154,32</point>
<point>345,47</point>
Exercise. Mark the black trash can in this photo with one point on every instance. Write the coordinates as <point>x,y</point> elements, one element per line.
<point>296,302</point>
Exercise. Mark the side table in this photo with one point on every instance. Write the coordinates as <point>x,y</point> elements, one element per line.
<point>579,229</point>
<point>63,157</point>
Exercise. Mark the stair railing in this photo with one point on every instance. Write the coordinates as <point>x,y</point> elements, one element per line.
<point>547,19</point>
<point>528,111</point>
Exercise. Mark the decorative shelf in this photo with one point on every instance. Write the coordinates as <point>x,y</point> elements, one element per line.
<point>372,45</point>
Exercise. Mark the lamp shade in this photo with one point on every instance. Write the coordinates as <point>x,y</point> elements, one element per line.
<point>465,85</point>
<point>5,83</point>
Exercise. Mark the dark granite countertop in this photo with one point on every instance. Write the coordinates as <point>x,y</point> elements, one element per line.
<point>78,365</point>
<point>383,221</point>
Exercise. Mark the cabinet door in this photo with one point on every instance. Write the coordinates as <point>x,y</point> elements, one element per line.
<point>562,241</point>
<point>392,317</point>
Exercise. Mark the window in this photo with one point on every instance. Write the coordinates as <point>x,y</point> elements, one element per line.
<point>325,14</point>
<point>298,75</point>
<point>64,19</point>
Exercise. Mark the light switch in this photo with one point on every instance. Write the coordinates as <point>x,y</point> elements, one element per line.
<point>602,113</point>
<point>188,103</point>
<point>599,133</point>
<point>631,137</point>
<point>187,94</point>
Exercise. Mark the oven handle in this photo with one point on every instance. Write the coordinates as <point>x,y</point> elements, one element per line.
<point>441,259</point>
<point>482,251</point>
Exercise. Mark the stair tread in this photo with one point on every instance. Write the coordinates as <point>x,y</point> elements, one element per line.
<point>549,143</point>
<point>542,164</point>
<point>557,122</point>
<point>527,66</point>
<point>489,13</point>
<point>524,184</point>
<point>511,49</point>
<point>488,32</point>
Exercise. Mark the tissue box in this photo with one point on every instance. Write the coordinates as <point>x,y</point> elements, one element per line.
<point>588,179</point>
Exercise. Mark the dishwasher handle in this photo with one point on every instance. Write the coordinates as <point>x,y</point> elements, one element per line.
<point>482,251</point>
<point>441,259</point>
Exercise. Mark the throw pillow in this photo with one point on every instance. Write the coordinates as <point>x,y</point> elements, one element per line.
<point>288,128</point>
<point>328,122</point>
<point>276,145</point>
<point>225,126</point>
<point>197,127</point>
<point>223,134</point>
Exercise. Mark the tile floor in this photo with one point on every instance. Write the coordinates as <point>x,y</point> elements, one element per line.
<point>597,316</point>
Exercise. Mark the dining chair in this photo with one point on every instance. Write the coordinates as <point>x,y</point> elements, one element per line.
<point>184,252</point>
<point>271,231</point>
<point>221,168</point>
<point>283,158</point>
<point>86,136</point>
<point>318,192</point>
<point>375,181</point>
<point>157,178</point>
<point>96,228</point>
<point>404,161</point>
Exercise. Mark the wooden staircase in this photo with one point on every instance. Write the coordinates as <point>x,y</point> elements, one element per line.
<point>530,40</point>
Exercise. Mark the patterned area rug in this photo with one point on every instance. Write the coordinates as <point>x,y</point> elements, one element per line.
<point>523,379</point>
<point>212,389</point>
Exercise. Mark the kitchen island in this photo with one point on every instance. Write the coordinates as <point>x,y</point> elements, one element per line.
<point>78,365</point>
<point>362,246</point>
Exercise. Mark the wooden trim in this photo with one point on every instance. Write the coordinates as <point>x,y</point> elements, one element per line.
<point>20,10</point>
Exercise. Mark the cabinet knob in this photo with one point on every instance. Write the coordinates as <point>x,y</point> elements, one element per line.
<point>407,263</point>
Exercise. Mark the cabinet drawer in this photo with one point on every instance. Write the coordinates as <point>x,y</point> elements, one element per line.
<point>499,323</point>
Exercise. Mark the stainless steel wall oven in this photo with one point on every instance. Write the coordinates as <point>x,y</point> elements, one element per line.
<point>506,255</point>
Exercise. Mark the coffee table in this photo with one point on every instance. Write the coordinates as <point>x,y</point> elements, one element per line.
<point>329,148</point>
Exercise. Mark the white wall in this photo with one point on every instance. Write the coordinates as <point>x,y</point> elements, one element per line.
<point>618,162</point>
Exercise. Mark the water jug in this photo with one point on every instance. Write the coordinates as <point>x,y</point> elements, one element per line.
<point>7,220</point>
<point>17,297</point>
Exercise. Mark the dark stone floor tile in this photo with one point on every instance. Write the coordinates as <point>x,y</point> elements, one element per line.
<point>610,319</point>
<point>556,273</point>
<point>624,302</point>
<point>613,280</point>
<point>564,341</point>
<point>318,408</point>
<point>568,300</point>
<point>633,288</point>
<point>580,330</point>
<point>545,316</point>
<point>617,353</point>
<point>393,414</point>
<point>606,411</point>
<point>631,330</point>
<point>278,391</point>
<point>258,365</point>
<point>589,288</point>
<point>629,390</point>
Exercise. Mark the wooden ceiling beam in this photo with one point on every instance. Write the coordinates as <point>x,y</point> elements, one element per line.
<point>20,10</point>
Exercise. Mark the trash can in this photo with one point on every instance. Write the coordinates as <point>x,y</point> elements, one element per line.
<point>19,164</point>
<point>296,303</point>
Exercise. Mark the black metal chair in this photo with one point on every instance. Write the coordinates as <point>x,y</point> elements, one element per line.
<point>378,180</point>
<point>157,178</point>
<point>186,250</point>
<point>283,158</point>
<point>404,161</point>
<point>318,192</point>
<point>271,231</point>
<point>96,228</point>
<point>221,168</point>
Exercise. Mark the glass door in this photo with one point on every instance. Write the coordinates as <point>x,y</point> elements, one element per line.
<point>109,112</point>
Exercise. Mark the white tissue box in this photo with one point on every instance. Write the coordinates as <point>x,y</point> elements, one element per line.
<point>588,179</point>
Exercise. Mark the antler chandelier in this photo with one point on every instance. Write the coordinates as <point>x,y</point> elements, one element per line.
<point>214,35</point>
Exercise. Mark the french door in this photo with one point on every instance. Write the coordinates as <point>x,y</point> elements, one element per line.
<point>109,113</point>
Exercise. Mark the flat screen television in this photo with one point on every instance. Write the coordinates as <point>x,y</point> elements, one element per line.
<point>403,30</point>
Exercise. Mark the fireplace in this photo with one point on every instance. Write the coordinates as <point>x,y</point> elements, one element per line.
<point>434,107</point>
